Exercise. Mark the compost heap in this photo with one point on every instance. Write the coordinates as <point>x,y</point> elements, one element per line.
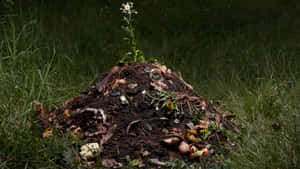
<point>143,114</point>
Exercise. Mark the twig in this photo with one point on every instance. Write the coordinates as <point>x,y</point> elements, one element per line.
<point>178,75</point>
<point>189,105</point>
<point>101,85</point>
<point>108,135</point>
<point>130,124</point>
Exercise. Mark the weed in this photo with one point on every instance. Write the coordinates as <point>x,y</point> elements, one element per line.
<point>133,54</point>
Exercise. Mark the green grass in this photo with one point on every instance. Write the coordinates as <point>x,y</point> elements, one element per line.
<point>51,52</point>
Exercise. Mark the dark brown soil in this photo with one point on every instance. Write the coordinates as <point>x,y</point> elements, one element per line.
<point>136,130</point>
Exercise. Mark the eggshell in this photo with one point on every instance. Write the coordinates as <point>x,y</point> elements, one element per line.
<point>90,150</point>
<point>184,147</point>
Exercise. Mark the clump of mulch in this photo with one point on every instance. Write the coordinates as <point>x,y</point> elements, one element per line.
<point>143,114</point>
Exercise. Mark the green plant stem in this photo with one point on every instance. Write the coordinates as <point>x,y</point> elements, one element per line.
<point>132,40</point>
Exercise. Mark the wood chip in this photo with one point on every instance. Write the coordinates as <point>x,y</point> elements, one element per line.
<point>157,162</point>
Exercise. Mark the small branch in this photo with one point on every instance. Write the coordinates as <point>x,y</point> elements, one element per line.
<point>101,85</point>
<point>130,124</point>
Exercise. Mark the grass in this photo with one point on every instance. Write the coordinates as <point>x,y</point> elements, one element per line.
<point>250,65</point>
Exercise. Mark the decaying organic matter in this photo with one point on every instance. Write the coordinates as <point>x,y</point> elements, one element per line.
<point>142,111</point>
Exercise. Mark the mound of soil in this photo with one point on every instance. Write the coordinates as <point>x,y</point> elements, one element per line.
<point>142,111</point>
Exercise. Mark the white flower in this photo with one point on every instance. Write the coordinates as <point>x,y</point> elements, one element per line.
<point>127,8</point>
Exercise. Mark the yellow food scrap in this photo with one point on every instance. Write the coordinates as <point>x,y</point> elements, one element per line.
<point>48,133</point>
<point>199,153</point>
<point>192,138</point>
<point>192,132</point>
<point>203,131</point>
<point>170,106</point>
<point>67,114</point>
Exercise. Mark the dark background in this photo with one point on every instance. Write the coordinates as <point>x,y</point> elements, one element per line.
<point>203,39</point>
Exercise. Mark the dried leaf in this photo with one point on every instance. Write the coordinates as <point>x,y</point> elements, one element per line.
<point>156,87</point>
<point>132,85</point>
<point>108,135</point>
<point>42,110</point>
<point>117,83</point>
<point>101,85</point>
<point>190,125</point>
<point>146,153</point>
<point>171,140</point>
<point>132,134</point>
<point>111,163</point>
<point>203,124</point>
<point>76,134</point>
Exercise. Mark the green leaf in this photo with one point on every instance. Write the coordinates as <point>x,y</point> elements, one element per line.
<point>207,134</point>
<point>140,59</point>
<point>134,163</point>
<point>126,29</point>
<point>126,20</point>
<point>152,60</point>
<point>164,104</point>
<point>126,39</point>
